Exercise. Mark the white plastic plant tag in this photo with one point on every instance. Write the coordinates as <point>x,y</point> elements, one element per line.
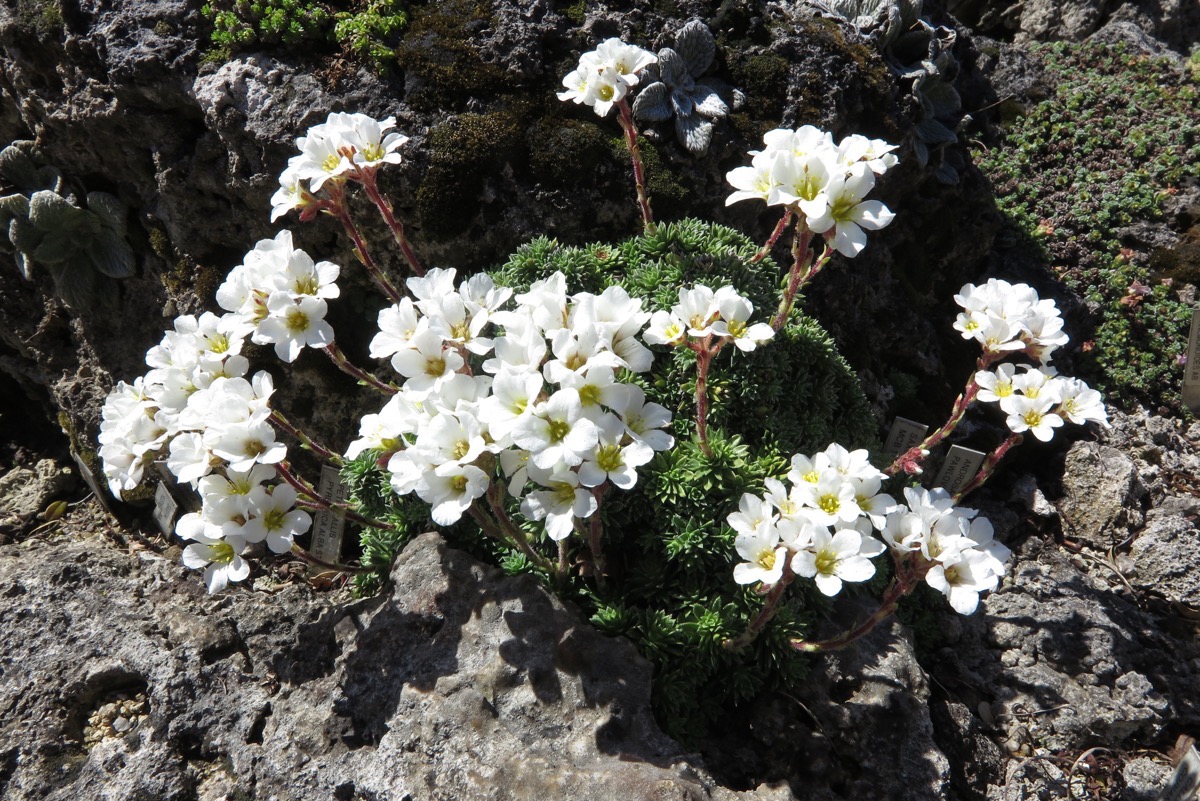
<point>960,467</point>
<point>165,508</point>
<point>1185,781</point>
<point>905,434</point>
<point>329,523</point>
<point>1191,371</point>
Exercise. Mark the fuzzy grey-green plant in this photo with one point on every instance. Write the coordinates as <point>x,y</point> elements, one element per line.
<point>78,246</point>
<point>920,52</point>
<point>677,88</point>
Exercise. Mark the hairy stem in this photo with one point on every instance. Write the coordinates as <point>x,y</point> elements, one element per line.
<point>310,493</point>
<point>803,270</point>
<point>337,357</point>
<point>774,596</point>
<point>307,442</point>
<point>312,560</point>
<point>625,117</point>
<point>989,466</point>
<point>910,461</point>
<point>513,533</point>
<point>780,227</point>
<point>340,209</point>
<point>367,178</point>
<point>703,360</point>
<point>596,536</point>
<point>908,574</point>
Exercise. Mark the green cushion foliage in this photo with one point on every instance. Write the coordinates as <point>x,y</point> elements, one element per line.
<point>670,552</point>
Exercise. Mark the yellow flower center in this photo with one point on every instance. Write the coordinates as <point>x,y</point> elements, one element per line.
<point>766,560</point>
<point>296,321</point>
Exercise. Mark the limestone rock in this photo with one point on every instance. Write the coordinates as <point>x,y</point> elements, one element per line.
<point>1100,487</point>
<point>462,684</point>
<point>25,492</point>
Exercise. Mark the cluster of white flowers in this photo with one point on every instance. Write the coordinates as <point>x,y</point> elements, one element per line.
<point>960,557</point>
<point>1010,319</point>
<point>605,75</point>
<point>824,521</point>
<point>825,182</point>
<point>338,147</point>
<point>702,313</point>
<point>549,408</point>
<point>277,296</point>
<point>197,409</point>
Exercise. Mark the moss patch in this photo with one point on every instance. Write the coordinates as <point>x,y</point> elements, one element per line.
<point>440,48</point>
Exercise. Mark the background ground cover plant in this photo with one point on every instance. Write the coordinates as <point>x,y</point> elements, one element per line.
<point>1077,173</point>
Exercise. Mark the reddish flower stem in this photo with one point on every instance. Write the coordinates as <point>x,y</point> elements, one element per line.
<point>340,209</point>
<point>305,556</point>
<point>780,227</point>
<point>310,493</point>
<point>910,461</point>
<point>306,441</point>
<point>625,117</point>
<point>367,179</point>
<point>989,466</point>
<point>767,612</point>
<point>337,357</point>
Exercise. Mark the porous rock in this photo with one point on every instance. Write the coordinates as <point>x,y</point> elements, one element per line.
<point>25,492</point>
<point>1166,559</point>
<point>1100,488</point>
<point>1060,654</point>
<point>461,684</point>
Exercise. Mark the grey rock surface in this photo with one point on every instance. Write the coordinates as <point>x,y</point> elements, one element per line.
<point>462,684</point>
<point>25,492</point>
<point>1164,555</point>
<point>1100,487</point>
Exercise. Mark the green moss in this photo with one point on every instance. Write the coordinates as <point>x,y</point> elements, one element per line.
<point>371,32</point>
<point>763,77</point>
<point>43,18</point>
<point>576,12</point>
<point>441,50</point>
<point>563,151</point>
<point>1117,133</point>
<point>464,152</point>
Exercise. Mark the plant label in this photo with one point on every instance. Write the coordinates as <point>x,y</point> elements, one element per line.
<point>960,467</point>
<point>1191,371</point>
<point>165,508</point>
<point>328,523</point>
<point>905,434</point>
<point>1185,781</point>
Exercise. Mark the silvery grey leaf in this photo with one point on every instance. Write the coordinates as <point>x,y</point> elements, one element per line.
<point>708,102</point>
<point>682,103</point>
<point>946,174</point>
<point>55,248</point>
<point>51,212</point>
<point>17,168</point>
<point>933,132</point>
<point>109,209</point>
<point>671,66</point>
<point>23,235</point>
<point>112,255</point>
<point>15,205</point>
<point>921,151</point>
<point>24,265</point>
<point>942,98</point>
<point>695,133</point>
<point>653,103</point>
<point>74,282</point>
<point>695,43</point>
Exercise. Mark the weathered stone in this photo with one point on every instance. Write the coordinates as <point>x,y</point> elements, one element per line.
<point>25,492</point>
<point>1100,488</point>
<point>1166,559</point>
<point>462,684</point>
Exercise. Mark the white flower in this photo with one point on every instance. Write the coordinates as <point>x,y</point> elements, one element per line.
<point>611,460</point>
<point>450,490</point>
<point>765,556</point>
<point>665,329</point>
<point>756,182</point>
<point>697,308</point>
<point>735,314</point>
<point>293,323</point>
<point>834,558</point>
<point>273,518</point>
<point>364,136</point>
<point>624,60</point>
<point>398,325</point>
<point>427,365</point>
<point>841,209</point>
<point>220,558</point>
<point>1080,403</point>
<point>996,387</point>
<point>244,445</point>
<point>189,461</point>
<point>962,580</point>
<point>1035,416</point>
<point>560,504</point>
<point>557,432</point>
